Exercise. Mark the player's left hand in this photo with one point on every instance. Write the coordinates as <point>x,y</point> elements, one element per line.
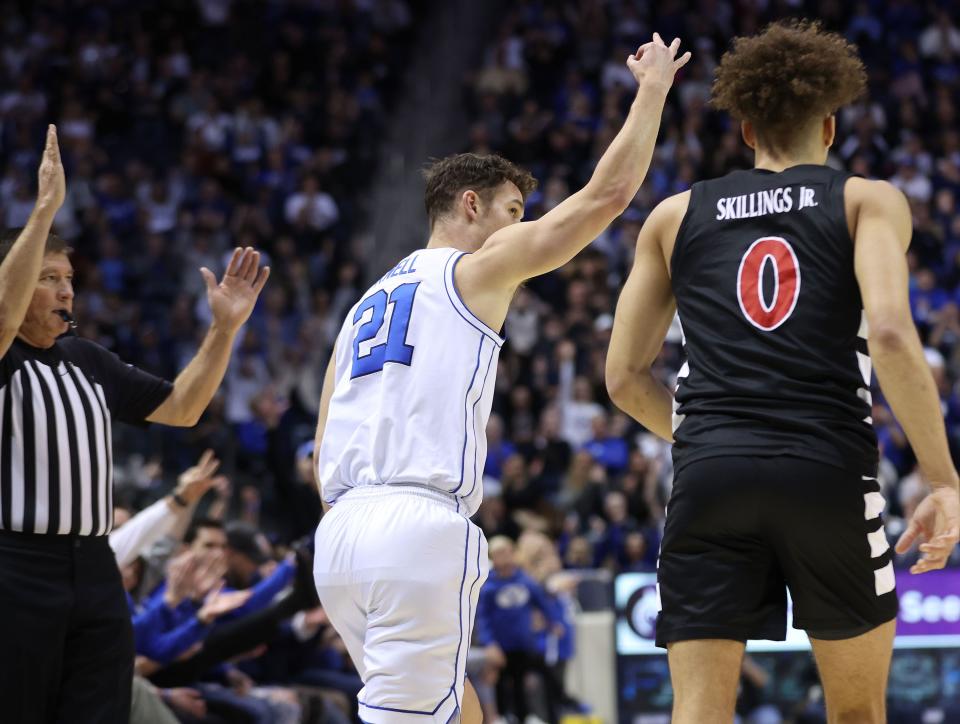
<point>936,523</point>
<point>232,300</point>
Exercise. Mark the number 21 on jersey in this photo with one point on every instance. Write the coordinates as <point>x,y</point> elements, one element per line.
<point>395,349</point>
<point>777,251</point>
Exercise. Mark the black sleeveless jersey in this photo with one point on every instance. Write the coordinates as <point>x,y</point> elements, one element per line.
<point>773,324</point>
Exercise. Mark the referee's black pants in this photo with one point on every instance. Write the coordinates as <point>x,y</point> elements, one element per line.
<point>66,641</point>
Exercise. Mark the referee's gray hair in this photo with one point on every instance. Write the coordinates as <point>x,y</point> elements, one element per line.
<point>55,244</point>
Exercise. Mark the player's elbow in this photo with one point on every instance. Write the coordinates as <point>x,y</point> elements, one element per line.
<point>610,199</point>
<point>616,200</point>
<point>889,339</point>
<point>890,334</point>
<point>619,381</point>
<point>621,199</point>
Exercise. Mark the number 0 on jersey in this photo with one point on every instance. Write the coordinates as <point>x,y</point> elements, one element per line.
<point>786,285</point>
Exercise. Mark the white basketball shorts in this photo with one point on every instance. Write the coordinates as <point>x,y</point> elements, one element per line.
<point>399,572</point>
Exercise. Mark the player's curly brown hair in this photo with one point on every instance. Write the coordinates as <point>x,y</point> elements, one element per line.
<point>786,77</point>
<point>449,177</point>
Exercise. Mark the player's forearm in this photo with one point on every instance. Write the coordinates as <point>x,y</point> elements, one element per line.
<point>909,388</point>
<point>21,269</point>
<point>196,385</point>
<point>646,400</point>
<point>624,164</point>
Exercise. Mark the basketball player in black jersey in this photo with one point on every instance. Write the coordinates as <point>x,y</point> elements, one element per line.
<point>779,275</point>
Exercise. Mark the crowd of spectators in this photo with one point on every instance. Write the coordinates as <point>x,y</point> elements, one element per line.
<point>190,127</point>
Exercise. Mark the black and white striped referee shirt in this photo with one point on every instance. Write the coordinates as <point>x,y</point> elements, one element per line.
<point>56,407</point>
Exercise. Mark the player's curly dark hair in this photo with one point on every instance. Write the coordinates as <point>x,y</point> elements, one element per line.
<point>449,177</point>
<point>787,76</point>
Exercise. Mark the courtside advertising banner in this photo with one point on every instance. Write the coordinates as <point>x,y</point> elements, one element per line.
<point>929,614</point>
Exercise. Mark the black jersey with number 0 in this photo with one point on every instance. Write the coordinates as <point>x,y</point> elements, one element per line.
<point>774,332</point>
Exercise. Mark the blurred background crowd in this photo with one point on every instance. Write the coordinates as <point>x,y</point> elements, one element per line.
<point>191,127</point>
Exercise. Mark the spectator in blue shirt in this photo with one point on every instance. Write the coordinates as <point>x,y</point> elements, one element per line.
<point>538,556</point>
<point>611,451</point>
<point>163,630</point>
<point>611,546</point>
<point>509,601</point>
<point>926,299</point>
<point>169,622</point>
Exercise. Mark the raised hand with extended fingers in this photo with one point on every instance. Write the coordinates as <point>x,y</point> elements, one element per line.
<point>233,299</point>
<point>51,182</point>
<point>657,62</point>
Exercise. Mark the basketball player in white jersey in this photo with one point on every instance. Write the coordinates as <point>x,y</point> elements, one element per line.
<point>405,403</point>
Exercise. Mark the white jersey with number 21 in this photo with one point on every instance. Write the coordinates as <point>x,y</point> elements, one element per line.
<point>415,373</point>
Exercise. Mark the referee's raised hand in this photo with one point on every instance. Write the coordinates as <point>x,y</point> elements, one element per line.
<point>51,182</point>
<point>232,300</point>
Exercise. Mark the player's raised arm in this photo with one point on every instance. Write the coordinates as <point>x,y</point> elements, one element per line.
<point>522,251</point>
<point>882,234</point>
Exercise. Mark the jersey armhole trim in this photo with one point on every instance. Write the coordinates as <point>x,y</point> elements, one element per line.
<point>684,222</point>
<point>450,284</point>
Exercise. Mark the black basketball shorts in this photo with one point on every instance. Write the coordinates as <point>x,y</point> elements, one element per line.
<point>741,530</point>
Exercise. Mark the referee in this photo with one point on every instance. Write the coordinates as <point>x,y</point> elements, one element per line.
<point>66,644</point>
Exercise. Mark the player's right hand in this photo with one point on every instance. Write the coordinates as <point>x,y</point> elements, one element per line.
<point>936,523</point>
<point>655,62</point>
<point>51,183</point>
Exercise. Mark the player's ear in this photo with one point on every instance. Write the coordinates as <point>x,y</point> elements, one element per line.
<point>829,130</point>
<point>470,202</point>
<point>749,134</point>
